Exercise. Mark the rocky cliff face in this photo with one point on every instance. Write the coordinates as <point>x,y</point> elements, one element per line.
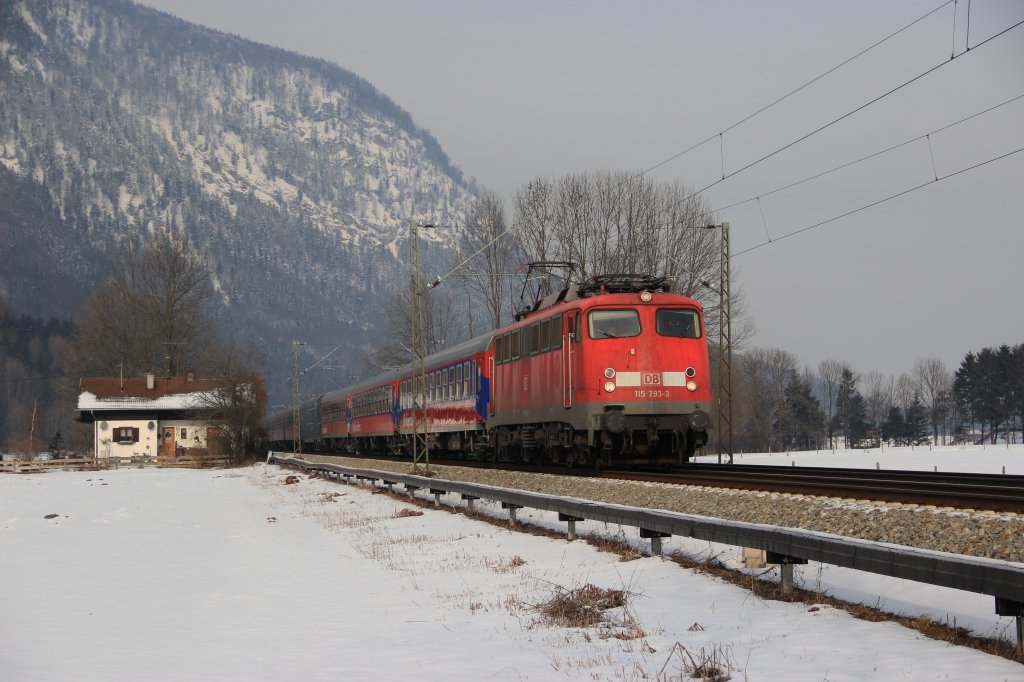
<point>295,177</point>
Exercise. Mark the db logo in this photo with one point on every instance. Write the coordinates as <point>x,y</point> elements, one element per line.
<point>652,379</point>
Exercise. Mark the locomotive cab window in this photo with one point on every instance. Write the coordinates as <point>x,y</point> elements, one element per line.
<point>680,323</point>
<point>613,324</point>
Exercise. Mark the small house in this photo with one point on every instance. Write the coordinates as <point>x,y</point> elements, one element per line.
<point>148,418</point>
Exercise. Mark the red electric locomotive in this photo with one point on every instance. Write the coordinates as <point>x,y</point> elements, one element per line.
<point>611,371</point>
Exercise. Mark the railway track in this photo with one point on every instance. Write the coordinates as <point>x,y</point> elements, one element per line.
<point>991,492</point>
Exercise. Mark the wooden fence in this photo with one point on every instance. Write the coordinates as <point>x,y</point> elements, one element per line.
<point>36,465</point>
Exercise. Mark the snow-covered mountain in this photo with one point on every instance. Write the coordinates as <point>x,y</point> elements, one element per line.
<point>296,177</point>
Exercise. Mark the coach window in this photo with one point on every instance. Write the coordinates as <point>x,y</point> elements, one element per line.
<point>683,324</point>
<point>514,345</point>
<point>458,382</point>
<point>466,390</point>
<point>614,324</point>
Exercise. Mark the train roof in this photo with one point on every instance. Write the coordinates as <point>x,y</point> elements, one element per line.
<point>434,360</point>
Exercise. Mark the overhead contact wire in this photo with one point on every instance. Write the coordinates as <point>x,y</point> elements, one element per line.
<point>880,201</point>
<point>786,96</point>
<point>873,155</point>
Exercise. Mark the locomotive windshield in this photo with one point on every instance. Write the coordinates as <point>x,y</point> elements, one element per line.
<point>614,324</point>
<point>680,323</point>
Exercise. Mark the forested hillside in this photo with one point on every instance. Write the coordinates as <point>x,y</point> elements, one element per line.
<point>296,178</point>
<point>32,351</point>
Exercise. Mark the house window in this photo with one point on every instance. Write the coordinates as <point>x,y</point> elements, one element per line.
<point>126,435</point>
<point>184,433</point>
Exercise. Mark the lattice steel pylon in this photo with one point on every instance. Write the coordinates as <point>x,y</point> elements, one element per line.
<point>725,351</point>
<point>417,292</point>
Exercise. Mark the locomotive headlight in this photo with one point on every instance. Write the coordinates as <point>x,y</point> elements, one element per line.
<point>609,386</point>
<point>609,373</point>
<point>691,372</point>
<point>691,385</point>
<point>646,296</point>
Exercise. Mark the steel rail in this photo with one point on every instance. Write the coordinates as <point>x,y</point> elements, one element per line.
<point>990,492</point>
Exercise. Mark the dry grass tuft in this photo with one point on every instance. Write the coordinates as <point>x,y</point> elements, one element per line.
<point>711,665</point>
<point>507,565</point>
<point>625,551</point>
<point>290,479</point>
<point>583,607</point>
<point>407,513</point>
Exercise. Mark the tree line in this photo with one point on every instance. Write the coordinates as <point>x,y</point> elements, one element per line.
<point>152,313</point>
<point>782,407</point>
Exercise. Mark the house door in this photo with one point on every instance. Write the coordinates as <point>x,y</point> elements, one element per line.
<point>167,443</point>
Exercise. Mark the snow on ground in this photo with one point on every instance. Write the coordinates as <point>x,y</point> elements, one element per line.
<point>983,459</point>
<point>154,574</point>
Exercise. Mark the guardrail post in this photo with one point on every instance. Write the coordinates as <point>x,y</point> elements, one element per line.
<point>571,534</point>
<point>411,489</point>
<point>786,564</point>
<point>470,499</point>
<point>389,484</point>
<point>1009,607</point>
<point>437,493</point>
<point>511,511</point>
<point>655,538</point>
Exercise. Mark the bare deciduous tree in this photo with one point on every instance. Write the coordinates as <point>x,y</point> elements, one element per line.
<point>830,374</point>
<point>151,314</point>
<point>878,396</point>
<point>233,410</point>
<point>607,222</point>
<point>936,385</point>
<point>440,318</point>
<point>492,254</point>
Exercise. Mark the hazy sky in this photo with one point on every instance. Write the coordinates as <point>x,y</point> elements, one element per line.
<point>514,90</point>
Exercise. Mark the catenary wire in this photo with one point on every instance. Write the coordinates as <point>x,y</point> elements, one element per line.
<point>870,156</point>
<point>852,112</point>
<point>880,201</point>
<point>791,92</point>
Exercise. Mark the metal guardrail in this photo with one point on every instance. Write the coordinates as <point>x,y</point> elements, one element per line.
<point>1003,580</point>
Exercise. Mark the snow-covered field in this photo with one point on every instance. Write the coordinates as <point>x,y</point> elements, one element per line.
<point>984,459</point>
<point>152,574</point>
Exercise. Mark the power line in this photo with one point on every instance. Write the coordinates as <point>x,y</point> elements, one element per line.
<point>871,156</point>
<point>854,111</point>
<point>791,92</point>
<point>880,201</point>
